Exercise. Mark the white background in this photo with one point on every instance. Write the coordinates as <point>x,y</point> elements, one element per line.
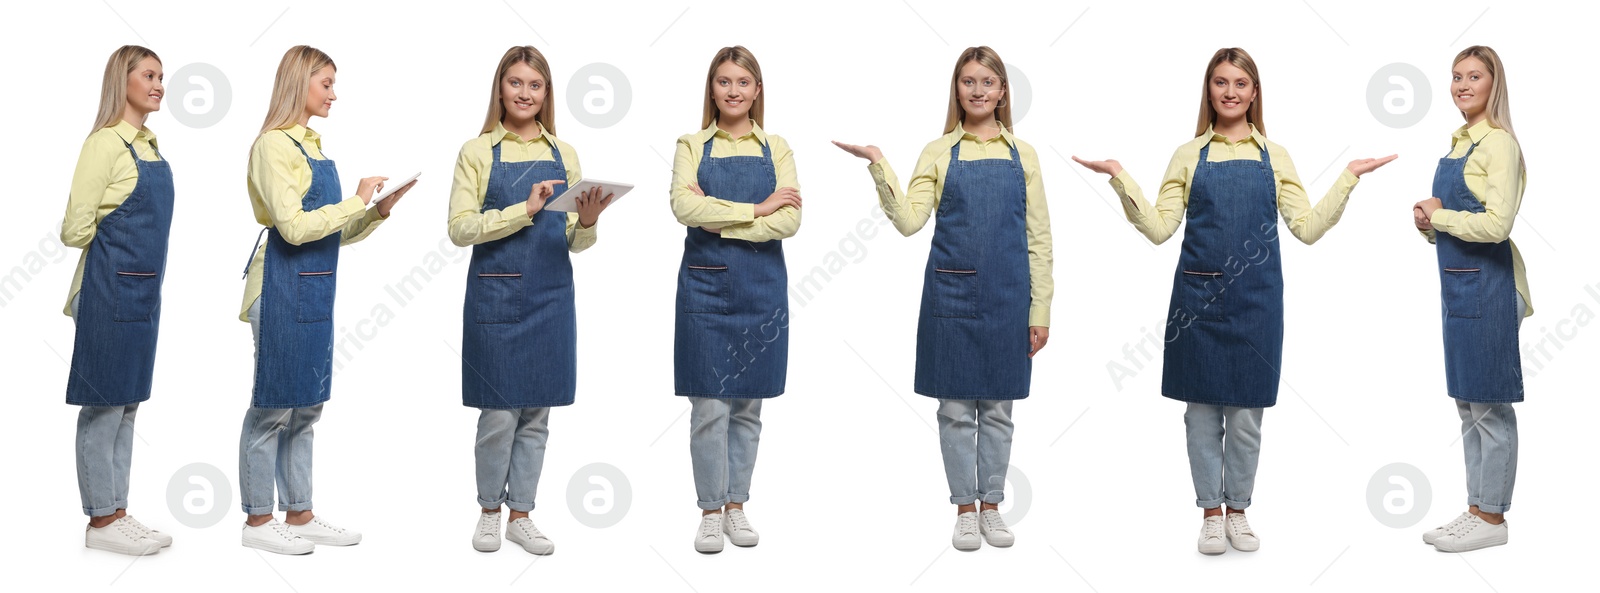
<point>849,488</point>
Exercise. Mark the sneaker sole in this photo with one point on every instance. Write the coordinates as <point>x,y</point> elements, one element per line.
<point>707,550</point>
<point>536,552</point>
<point>1246,548</point>
<point>283,551</point>
<point>335,543</point>
<point>1477,546</point>
<point>124,551</point>
<point>486,547</point>
<point>968,548</point>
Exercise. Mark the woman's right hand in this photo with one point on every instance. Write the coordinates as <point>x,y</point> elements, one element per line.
<point>368,187</point>
<point>1109,166</point>
<point>869,152</point>
<point>540,193</point>
<point>785,196</point>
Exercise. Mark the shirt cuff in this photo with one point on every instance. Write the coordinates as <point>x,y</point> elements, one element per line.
<point>1039,315</point>
<point>516,215</point>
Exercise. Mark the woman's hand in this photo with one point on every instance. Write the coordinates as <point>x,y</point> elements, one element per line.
<point>539,193</point>
<point>1109,166</point>
<point>590,205</point>
<point>785,196</point>
<point>1360,166</point>
<point>869,152</point>
<point>369,186</point>
<point>1038,336</point>
<point>1423,212</point>
<point>387,204</point>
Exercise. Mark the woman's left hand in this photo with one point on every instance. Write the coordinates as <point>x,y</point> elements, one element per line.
<point>1360,166</point>
<point>590,205</point>
<point>1038,336</point>
<point>1428,206</point>
<point>387,204</point>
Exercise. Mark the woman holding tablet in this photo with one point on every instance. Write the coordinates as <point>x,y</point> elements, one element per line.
<point>119,212</point>
<point>519,326</point>
<point>1224,338</point>
<point>987,286</point>
<point>1477,189</point>
<point>734,187</point>
<point>288,300</point>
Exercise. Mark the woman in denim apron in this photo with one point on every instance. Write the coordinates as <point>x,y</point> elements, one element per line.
<point>519,323</point>
<point>295,193</point>
<point>119,213</point>
<point>985,289</point>
<point>1224,335</point>
<point>731,338</point>
<point>1477,189</point>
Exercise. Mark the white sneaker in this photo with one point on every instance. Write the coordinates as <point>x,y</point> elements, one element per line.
<point>1434,534</point>
<point>1212,534</point>
<point>965,537</point>
<point>1473,534</point>
<point>709,540</point>
<point>323,533</point>
<point>1239,533</point>
<point>738,529</point>
<point>488,537</point>
<point>120,536</point>
<point>522,532</point>
<point>275,537</point>
<point>994,529</point>
<point>164,539</point>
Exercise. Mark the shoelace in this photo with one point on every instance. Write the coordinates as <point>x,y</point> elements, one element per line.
<point>528,529</point>
<point>489,524</point>
<point>136,524</point>
<point>283,531</point>
<point>128,529</point>
<point>1240,524</point>
<point>1465,527</point>
<point>710,525</point>
<point>736,521</point>
<point>326,525</point>
<point>967,523</point>
<point>1211,528</point>
<point>1456,524</point>
<point>994,521</point>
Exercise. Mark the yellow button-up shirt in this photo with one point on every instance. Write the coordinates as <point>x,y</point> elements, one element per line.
<point>104,178</point>
<point>1308,223</point>
<point>911,209</point>
<point>278,179</point>
<point>736,220</point>
<point>1495,176</point>
<point>470,224</point>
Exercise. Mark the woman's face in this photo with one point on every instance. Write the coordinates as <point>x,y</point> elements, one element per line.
<point>144,86</point>
<point>735,90</point>
<point>320,97</point>
<point>1232,92</point>
<point>522,94</point>
<point>980,91</point>
<point>1470,83</point>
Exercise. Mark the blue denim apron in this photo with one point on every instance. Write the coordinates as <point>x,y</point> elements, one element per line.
<point>294,362</point>
<point>1478,287</point>
<point>519,332</point>
<point>119,303</point>
<point>1225,333</point>
<point>972,330</point>
<point>731,334</point>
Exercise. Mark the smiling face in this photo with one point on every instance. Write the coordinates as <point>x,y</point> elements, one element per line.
<point>734,90</point>
<point>1231,91</point>
<point>979,90</point>
<point>1470,87</point>
<point>145,87</point>
<point>522,94</point>
<point>319,96</point>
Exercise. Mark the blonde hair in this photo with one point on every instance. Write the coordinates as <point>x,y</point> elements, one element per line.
<point>988,59</point>
<point>522,54</point>
<point>1498,111</point>
<point>742,58</point>
<point>114,86</point>
<point>1241,60</point>
<point>292,83</point>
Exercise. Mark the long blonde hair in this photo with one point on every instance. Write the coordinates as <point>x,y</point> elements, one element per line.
<point>522,54</point>
<point>987,58</point>
<point>114,86</point>
<point>1241,60</point>
<point>292,83</point>
<point>1498,111</point>
<point>742,58</point>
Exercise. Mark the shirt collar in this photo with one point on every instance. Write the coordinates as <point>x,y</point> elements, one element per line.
<point>128,133</point>
<point>1475,132</point>
<point>303,135</point>
<point>961,133</point>
<point>501,133</point>
<point>1255,135</point>
<point>713,130</point>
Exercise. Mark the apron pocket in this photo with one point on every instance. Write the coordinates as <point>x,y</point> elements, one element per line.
<point>1462,296</point>
<point>955,293</point>
<point>138,293</point>
<point>499,298</point>
<point>705,290</point>
<point>1202,294</point>
<point>315,295</point>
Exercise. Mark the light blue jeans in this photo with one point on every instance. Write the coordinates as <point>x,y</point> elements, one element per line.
<point>510,456</point>
<point>975,438</point>
<point>723,436</point>
<point>275,449</point>
<point>1489,441</point>
<point>104,448</point>
<point>1224,449</point>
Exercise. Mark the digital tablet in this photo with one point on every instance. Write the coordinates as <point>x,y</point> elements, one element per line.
<point>567,201</point>
<point>390,188</point>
